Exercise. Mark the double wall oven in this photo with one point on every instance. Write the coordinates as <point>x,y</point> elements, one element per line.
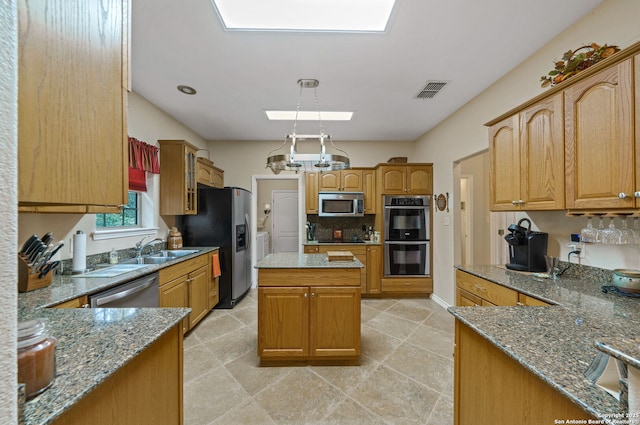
<point>407,238</point>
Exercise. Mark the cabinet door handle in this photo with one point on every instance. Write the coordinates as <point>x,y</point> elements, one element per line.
<point>636,194</point>
<point>305,295</point>
<point>514,202</point>
<point>519,303</point>
<point>313,295</point>
<point>521,202</point>
<point>623,195</point>
<point>480,288</point>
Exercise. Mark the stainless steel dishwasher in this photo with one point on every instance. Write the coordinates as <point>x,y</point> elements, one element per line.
<point>141,292</point>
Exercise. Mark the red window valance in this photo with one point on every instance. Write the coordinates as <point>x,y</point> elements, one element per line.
<point>143,158</point>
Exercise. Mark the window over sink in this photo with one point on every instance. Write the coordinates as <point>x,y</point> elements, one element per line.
<point>128,217</point>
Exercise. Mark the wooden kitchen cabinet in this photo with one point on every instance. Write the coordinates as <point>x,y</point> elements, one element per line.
<point>599,140</point>
<point>80,302</point>
<point>178,184</point>
<point>72,103</point>
<point>187,284</point>
<point>311,192</point>
<point>373,270</point>
<point>340,180</point>
<point>475,291</point>
<point>311,249</point>
<point>369,189</point>
<point>492,388</point>
<point>301,320</point>
<point>209,175</point>
<point>412,179</point>
<point>308,322</point>
<point>526,154</point>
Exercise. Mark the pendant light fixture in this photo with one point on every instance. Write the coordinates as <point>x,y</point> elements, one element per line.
<point>294,161</point>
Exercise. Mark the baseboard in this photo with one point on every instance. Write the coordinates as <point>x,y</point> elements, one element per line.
<point>440,301</point>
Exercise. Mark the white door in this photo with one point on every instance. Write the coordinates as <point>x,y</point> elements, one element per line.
<point>284,223</point>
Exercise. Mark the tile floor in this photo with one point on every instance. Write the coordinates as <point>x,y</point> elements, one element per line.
<point>405,376</point>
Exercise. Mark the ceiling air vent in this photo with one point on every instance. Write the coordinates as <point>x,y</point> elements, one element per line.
<point>431,89</point>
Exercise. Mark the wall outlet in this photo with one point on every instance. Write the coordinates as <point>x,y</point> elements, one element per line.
<point>578,246</point>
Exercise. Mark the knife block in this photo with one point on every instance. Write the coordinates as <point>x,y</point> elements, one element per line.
<point>28,281</point>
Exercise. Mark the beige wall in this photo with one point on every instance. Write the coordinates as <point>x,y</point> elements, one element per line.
<point>477,169</point>
<point>8,210</point>
<point>265,187</point>
<point>462,134</point>
<point>147,123</point>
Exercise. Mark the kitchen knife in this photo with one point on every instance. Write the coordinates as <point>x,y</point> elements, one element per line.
<point>47,255</point>
<point>41,258</point>
<point>35,254</point>
<point>47,268</point>
<point>34,245</point>
<point>32,239</point>
<point>47,238</point>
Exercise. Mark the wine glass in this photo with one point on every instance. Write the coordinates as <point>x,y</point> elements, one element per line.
<point>600,230</point>
<point>589,233</point>
<point>611,235</point>
<point>627,236</point>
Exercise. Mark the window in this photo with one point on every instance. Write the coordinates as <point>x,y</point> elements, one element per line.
<point>129,217</point>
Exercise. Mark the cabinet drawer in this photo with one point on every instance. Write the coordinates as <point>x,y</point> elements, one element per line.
<point>74,303</point>
<point>467,299</point>
<point>169,273</point>
<point>489,291</point>
<point>409,284</point>
<point>356,249</point>
<point>311,249</point>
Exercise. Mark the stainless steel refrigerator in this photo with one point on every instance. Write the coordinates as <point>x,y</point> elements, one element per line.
<point>223,220</point>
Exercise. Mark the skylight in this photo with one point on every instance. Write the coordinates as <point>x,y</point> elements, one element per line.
<point>310,115</point>
<point>305,15</point>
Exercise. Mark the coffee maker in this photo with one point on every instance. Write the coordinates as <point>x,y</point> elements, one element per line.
<point>526,248</point>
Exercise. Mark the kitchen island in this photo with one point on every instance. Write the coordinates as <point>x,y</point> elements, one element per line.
<point>526,365</point>
<point>308,308</point>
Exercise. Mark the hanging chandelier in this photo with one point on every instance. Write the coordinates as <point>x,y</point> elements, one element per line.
<point>294,161</point>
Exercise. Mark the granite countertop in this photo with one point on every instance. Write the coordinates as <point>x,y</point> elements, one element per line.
<point>92,344</point>
<point>292,260</point>
<point>68,287</point>
<point>558,343</point>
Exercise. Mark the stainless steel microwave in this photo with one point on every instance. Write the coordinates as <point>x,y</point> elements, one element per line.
<point>341,204</point>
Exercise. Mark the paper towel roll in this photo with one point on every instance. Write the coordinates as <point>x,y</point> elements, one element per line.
<point>79,252</point>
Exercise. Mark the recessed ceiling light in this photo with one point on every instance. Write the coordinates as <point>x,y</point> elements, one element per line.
<point>308,15</point>
<point>310,115</point>
<point>186,89</point>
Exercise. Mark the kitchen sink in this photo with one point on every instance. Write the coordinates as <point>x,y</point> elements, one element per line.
<point>111,271</point>
<point>173,253</point>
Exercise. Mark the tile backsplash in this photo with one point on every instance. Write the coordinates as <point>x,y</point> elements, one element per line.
<point>351,226</point>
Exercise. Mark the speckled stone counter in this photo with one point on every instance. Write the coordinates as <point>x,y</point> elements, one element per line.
<point>92,344</point>
<point>345,242</point>
<point>305,261</point>
<point>67,287</point>
<point>557,343</point>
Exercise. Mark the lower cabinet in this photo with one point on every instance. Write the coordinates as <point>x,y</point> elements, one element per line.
<point>475,291</point>
<point>187,284</point>
<point>399,286</point>
<point>308,323</point>
<point>492,388</point>
<point>147,390</point>
<point>81,302</point>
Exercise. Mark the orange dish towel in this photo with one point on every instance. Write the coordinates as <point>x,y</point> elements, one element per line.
<point>215,262</point>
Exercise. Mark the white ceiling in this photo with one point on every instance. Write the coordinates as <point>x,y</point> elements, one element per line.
<point>239,75</point>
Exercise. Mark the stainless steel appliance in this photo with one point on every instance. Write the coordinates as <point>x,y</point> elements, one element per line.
<point>223,220</point>
<point>341,204</point>
<point>407,236</point>
<point>141,292</point>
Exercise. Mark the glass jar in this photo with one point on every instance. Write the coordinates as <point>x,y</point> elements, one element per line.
<point>36,357</point>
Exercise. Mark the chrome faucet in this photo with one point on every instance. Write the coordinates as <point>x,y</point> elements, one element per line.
<point>140,246</point>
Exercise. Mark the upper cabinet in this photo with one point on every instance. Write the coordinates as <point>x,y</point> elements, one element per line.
<point>582,135</point>
<point>415,179</point>
<point>178,187</point>
<point>311,192</point>
<point>209,175</point>
<point>340,180</point>
<point>600,161</point>
<point>369,189</point>
<point>526,152</point>
<point>72,94</point>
